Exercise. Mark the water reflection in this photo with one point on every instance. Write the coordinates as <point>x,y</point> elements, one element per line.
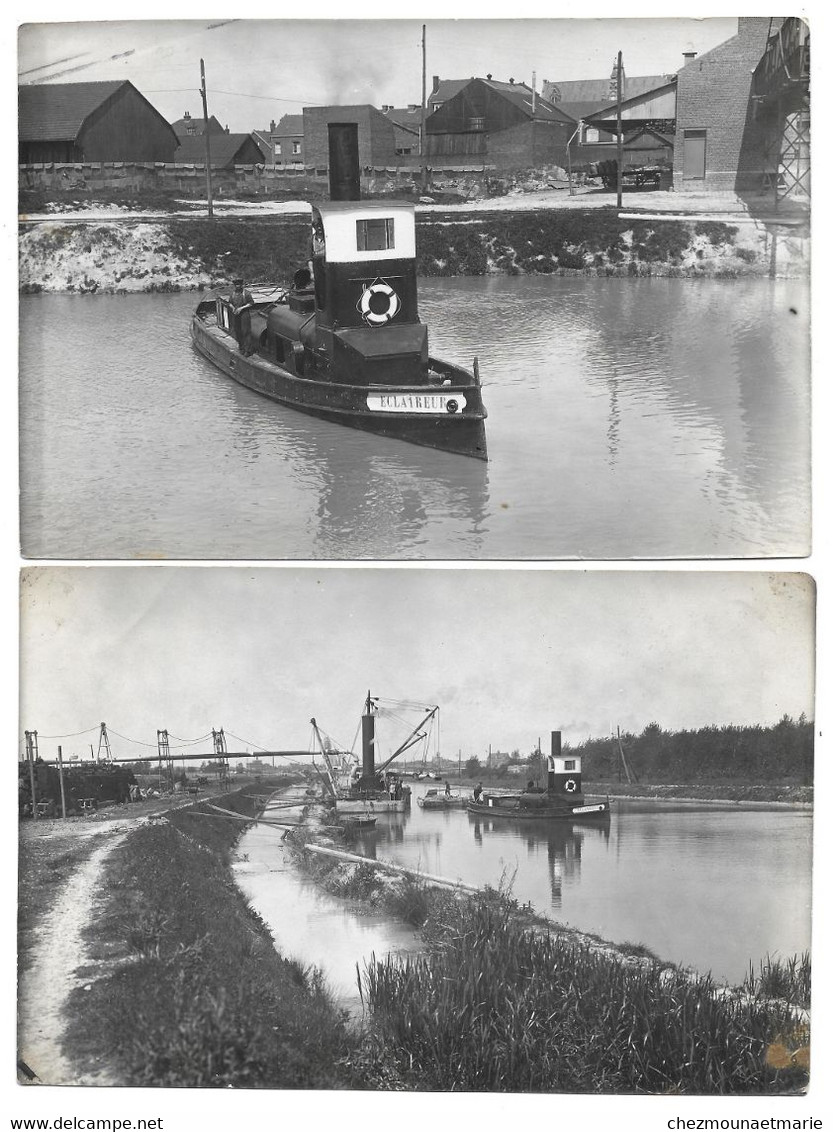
<point>627,418</point>
<point>561,841</point>
<point>374,497</point>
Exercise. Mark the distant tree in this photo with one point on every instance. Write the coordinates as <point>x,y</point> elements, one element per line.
<point>472,766</point>
<point>537,764</point>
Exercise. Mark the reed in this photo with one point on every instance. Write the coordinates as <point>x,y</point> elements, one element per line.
<point>788,980</point>
<point>497,1006</point>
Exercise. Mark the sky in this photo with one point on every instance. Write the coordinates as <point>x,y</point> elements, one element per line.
<point>258,70</point>
<point>509,656</point>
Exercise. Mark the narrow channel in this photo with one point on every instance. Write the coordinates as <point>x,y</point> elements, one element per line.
<point>308,924</point>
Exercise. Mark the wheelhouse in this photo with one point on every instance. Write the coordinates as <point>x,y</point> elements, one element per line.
<point>357,321</point>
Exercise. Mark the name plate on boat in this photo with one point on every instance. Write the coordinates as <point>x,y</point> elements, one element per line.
<point>588,809</point>
<point>416,402</point>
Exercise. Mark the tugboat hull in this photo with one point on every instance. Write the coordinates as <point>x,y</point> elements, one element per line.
<point>597,811</point>
<point>434,420</point>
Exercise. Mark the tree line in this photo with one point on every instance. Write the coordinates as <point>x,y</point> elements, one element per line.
<point>783,751</point>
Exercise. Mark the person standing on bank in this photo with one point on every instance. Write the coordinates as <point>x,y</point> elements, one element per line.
<point>241,304</point>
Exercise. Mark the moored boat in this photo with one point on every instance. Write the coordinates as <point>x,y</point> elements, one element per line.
<point>440,800</point>
<point>345,342</point>
<point>562,800</point>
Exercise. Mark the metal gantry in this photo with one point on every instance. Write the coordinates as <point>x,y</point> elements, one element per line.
<point>781,92</point>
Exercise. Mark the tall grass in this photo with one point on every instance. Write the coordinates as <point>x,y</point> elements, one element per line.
<point>193,993</point>
<point>788,980</point>
<point>494,1006</point>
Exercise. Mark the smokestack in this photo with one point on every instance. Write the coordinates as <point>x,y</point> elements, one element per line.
<point>533,91</point>
<point>555,748</point>
<point>368,743</point>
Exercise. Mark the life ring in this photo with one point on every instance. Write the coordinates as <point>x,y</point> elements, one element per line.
<point>570,786</point>
<point>365,305</point>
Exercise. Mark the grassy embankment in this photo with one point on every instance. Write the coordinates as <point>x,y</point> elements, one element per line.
<point>186,988</point>
<point>501,1000</point>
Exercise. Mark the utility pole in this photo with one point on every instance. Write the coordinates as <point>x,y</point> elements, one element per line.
<point>32,754</point>
<point>422,146</point>
<point>207,142</point>
<point>61,780</point>
<point>619,146</point>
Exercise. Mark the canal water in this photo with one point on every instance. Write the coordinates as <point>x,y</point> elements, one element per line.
<point>713,888</point>
<point>628,418</point>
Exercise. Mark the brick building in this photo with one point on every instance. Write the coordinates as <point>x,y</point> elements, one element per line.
<point>376,134</point>
<point>721,143</point>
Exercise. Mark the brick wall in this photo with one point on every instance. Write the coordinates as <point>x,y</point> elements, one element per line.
<point>714,95</point>
<point>189,180</point>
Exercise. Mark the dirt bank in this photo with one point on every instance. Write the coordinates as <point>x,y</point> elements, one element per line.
<point>112,251</point>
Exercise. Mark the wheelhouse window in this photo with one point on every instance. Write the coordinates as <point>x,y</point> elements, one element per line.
<point>569,764</point>
<point>374,235</point>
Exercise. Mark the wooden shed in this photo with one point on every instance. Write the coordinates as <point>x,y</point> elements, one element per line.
<point>508,123</point>
<point>98,121</point>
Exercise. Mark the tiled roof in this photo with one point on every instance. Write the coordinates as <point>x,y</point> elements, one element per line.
<point>56,111</point>
<point>224,148</point>
<point>521,95</point>
<point>291,125</point>
<point>405,118</point>
<point>447,88</point>
<point>185,127</point>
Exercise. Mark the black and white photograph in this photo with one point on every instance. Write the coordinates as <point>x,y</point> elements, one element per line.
<point>417,586</point>
<point>392,289</point>
<point>416,830</point>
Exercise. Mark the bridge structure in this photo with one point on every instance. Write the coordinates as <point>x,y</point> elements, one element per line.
<point>781,92</point>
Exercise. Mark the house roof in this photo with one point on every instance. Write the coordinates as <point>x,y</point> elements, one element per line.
<point>57,111</point>
<point>521,96</point>
<point>224,148</point>
<point>406,118</point>
<point>263,141</point>
<point>517,93</point>
<point>291,125</point>
<point>185,127</point>
<point>447,88</point>
<point>598,90</point>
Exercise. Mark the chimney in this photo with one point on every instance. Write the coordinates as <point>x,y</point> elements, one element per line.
<point>489,78</point>
<point>272,126</point>
<point>689,55</point>
<point>436,81</point>
<point>186,115</point>
<point>511,82</point>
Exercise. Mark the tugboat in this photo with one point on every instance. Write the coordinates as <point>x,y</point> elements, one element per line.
<point>368,789</point>
<point>562,800</point>
<point>345,342</point>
